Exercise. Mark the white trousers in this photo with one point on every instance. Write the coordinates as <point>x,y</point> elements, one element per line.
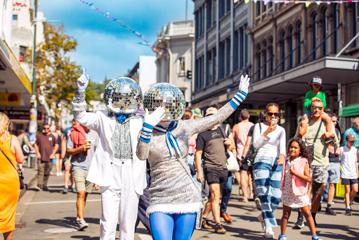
<point>119,206</point>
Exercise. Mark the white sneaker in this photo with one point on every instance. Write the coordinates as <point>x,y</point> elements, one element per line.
<point>81,224</point>
<point>269,233</point>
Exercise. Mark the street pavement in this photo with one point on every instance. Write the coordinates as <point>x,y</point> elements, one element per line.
<point>50,215</point>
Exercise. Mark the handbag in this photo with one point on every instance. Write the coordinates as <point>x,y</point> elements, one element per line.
<point>18,170</point>
<point>232,164</point>
<point>310,148</point>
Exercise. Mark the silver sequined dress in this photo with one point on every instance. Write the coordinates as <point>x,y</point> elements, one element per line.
<point>172,190</point>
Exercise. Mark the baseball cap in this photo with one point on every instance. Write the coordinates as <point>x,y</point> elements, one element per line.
<point>317,80</point>
<point>211,111</point>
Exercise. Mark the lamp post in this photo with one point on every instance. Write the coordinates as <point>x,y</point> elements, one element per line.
<point>33,110</point>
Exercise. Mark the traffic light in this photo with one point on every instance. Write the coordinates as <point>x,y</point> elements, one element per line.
<point>189,74</point>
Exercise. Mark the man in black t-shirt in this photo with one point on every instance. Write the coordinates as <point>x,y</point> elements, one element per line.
<point>211,147</point>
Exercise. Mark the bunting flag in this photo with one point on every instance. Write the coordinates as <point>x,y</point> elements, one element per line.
<point>109,16</point>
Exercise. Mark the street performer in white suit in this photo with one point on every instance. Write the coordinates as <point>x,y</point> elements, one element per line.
<point>115,166</point>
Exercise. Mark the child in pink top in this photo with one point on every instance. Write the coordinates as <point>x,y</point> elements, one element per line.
<point>295,182</point>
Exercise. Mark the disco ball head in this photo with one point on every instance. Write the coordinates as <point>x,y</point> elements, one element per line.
<point>168,96</point>
<point>123,95</point>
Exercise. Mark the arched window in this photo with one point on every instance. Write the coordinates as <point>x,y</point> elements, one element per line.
<point>290,47</point>
<point>314,34</point>
<point>324,23</point>
<point>298,31</point>
<point>282,50</point>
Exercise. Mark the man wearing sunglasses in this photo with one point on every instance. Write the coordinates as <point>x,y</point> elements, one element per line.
<point>46,147</point>
<point>315,132</point>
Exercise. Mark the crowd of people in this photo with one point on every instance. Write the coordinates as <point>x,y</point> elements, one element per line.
<point>169,166</point>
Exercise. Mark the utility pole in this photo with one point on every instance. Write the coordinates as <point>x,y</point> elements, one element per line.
<point>33,110</point>
<point>186,10</point>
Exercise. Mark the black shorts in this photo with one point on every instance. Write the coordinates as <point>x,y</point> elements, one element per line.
<point>245,167</point>
<point>347,181</point>
<point>216,176</point>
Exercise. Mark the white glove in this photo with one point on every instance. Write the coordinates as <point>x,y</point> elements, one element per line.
<point>244,83</point>
<point>155,117</point>
<point>82,82</point>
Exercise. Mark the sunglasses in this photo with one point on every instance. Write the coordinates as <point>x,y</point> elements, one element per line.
<point>317,108</point>
<point>271,114</point>
<point>46,128</point>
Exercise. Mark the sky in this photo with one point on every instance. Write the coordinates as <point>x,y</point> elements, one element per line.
<point>105,49</point>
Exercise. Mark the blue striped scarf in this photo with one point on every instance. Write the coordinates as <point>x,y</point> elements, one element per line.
<point>171,141</point>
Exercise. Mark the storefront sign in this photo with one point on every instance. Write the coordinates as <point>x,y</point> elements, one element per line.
<point>10,99</point>
<point>21,114</point>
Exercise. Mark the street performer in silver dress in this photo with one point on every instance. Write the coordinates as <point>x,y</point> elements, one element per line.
<point>175,199</point>
<point>115,166</point>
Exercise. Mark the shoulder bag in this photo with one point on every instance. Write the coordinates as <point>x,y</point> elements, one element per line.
<point>232,164</point>
<point>18,170</point>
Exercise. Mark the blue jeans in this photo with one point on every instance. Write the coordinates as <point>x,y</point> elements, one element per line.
<point>166,226</point>
<point>226,193</point>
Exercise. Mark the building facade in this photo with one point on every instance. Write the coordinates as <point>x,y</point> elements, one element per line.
<point>222,49</point>
<point>287,45</point>
<point>174,51</point>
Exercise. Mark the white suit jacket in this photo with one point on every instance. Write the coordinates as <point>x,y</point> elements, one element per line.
<point>101,163</point>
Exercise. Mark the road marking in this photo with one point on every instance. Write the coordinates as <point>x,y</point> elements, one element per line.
<point>63,201</point>
<point>60,230</point>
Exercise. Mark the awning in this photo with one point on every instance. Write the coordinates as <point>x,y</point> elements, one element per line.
<point>350,111</point>
<point>13,79</point>
<point>293,83</point>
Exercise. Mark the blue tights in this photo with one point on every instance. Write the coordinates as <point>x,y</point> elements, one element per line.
<point>165,226</point>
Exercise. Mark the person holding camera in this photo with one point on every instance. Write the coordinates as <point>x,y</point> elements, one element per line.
<point>270,141</point>
<point>81,146</point>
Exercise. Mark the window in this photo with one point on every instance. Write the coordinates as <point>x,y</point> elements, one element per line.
<point>264,60</point>
<point>221,8</point>
<point>209,68</point>
<point>354,20</point>
<point>314,35</point>
<point>214,60</point>
<point>298,29</point>
<point>214,12</point>
<point>258,67</point>
<point>221,61</point>
<point>258,8</point>
<point>196,19</point>
<point>245,59</point>
<point>282,51</point>
<point>22,53</point>
<point>228,56</point>
<point>335,26</point>
<point>181,67</point>
<point>290,48</point>
<point>228,6</point>
<point>209,14</point>
<point>271,57</point>
<point>241,48</point>
<point>324,23</point>
<point>236,51</point>
<point>14,17</point>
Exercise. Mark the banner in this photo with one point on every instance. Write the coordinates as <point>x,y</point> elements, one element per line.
<point>10,99</point>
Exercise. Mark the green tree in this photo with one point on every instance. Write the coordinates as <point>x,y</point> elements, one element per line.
<point>56,72</point>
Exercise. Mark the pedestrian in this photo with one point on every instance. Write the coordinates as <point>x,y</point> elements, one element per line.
<point>68,179</point>
<point>295,181</point>
<point>269,140</point>
<point>61,151</point>
<point>25,144</point>
<point>211,146</point>
<point>10,156</point>
<point>46,147</point>
<point>349,171</point>
<point>81,146</point>
<point>314,92</point>
<point>354,130</point>
<point>115,167</point>
<point>240,135</point>
<point>312,130</point>
<point>334,167</point>
<point>175,202</point>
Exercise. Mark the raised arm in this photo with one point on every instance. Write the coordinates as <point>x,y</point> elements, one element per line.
<point>198,126</point>
<point>151,120</point>
<point>90,120</point>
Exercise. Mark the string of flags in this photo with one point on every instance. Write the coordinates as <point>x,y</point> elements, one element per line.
<point>122,24</point>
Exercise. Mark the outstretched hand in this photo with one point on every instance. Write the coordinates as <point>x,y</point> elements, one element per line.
<point>244,83</point>
<point>82,82</point>
<point>155,117</point>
